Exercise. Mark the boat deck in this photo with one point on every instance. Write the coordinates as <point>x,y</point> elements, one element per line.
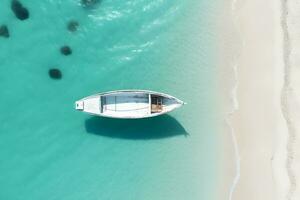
<point>121,105</point>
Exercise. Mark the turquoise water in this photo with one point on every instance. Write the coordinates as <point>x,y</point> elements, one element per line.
<point>50,151</point>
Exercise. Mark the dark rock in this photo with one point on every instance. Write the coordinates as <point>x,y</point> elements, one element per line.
<point>19,10</point>
<point>73,25</point>
<point>66,50</point>
<point>89,3</point>
<point>4,31</point>
<point>55,73</point>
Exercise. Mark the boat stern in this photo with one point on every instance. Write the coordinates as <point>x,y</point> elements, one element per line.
<point>79,105</point>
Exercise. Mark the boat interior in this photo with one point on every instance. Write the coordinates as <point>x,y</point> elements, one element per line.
<point>135,104</point>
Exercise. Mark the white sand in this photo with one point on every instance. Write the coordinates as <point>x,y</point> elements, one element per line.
<point>265,106</point>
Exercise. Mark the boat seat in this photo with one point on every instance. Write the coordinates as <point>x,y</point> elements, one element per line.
<point>156,104</point>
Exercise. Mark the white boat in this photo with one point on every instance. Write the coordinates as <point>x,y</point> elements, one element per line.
<point>128,104</point>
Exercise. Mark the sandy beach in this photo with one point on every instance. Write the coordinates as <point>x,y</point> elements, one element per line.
<point>261,144</point>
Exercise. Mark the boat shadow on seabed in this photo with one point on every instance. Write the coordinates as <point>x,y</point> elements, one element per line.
<point>138,129</point>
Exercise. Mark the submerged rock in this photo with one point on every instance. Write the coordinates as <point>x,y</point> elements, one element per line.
<point>72,25</point>
<point>55,73</point>
<point>19,10</point>
<point>4,31</point>
<point>66,50</point>
<point>89,3</point>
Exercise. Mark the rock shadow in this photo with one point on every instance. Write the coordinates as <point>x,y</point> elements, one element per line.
<point>19,10</point>
<point>90,4</point>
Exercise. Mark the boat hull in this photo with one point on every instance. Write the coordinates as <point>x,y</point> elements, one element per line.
<point>128,104</point>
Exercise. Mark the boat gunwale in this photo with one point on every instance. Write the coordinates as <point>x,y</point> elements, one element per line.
<point>138,91</point>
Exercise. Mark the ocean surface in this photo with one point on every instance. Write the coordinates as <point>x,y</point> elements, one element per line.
<point>50,151</point>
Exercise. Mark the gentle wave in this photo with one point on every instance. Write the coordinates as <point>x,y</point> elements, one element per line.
<point>290,27</point>
<point>234,99</point>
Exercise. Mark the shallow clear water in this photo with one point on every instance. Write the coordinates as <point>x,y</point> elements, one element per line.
<point>50,151</point>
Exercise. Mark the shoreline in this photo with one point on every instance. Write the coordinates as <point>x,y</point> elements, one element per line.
<point>230,44</point>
